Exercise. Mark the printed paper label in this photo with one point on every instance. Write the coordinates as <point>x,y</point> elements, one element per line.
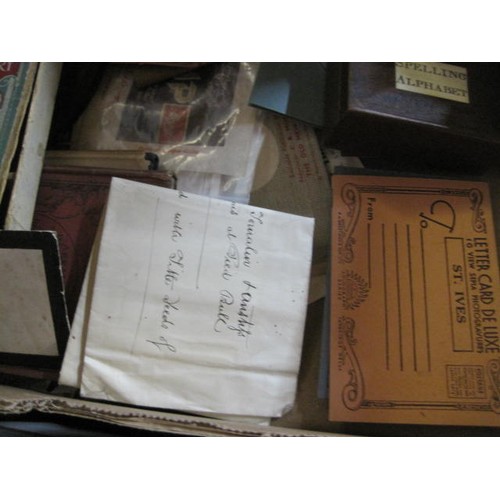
<point>415,305</point>
<point>435,79</point>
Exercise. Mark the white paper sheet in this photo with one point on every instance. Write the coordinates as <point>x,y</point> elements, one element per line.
<point>198,304</point>
<point>71,371</point>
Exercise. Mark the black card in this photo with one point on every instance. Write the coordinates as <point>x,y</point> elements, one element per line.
<point>34,325</point>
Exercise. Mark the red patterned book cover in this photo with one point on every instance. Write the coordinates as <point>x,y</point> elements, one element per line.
<point>70,202</point>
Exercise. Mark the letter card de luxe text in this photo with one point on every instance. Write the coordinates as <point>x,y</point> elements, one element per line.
<point>415,302</point>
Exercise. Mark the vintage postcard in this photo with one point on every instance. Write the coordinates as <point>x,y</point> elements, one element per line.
<point>414,305</point>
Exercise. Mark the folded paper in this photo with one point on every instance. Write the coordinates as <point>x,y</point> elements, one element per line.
<point>197,304</point>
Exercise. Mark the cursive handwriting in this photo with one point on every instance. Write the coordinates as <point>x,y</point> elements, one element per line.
<point>234,208</point>
<point>177,228</point>
<point>245,312</point>
<point>169,306</point>
<point>162,342</point>
<point>232,256</point>
<point>225,299</point>
<point>255,218</point>
<point>175,267</point>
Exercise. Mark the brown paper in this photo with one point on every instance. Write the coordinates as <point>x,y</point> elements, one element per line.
<point>415,305</point>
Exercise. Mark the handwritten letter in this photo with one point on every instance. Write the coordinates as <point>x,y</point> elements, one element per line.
<point>199,304</point>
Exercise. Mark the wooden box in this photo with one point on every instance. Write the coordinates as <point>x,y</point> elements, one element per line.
<point>443,116</point>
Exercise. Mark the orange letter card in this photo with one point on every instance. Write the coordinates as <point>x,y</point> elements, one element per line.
<point>415,333</point>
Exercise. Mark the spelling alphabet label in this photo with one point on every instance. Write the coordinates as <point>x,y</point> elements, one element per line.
<point>435,79</point>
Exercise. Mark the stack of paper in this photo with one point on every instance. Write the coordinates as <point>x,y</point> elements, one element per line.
<point>192,303</point>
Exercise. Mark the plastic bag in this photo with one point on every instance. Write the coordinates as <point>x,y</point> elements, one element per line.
<point>198,123</point>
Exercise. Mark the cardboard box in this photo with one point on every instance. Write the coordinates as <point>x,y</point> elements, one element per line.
<point>309,416</point>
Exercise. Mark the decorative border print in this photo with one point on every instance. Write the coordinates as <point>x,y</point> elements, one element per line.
<point>415,334</point>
